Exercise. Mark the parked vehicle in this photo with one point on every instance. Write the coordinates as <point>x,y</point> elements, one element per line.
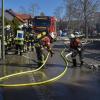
<point>79,34</point>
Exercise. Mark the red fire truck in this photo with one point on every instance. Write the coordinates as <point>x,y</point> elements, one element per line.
<point>44,23</point>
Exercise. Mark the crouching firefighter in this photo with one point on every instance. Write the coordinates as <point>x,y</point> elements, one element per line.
<point>19,41</point>
<point>76,48</point>
<point>42,41</point>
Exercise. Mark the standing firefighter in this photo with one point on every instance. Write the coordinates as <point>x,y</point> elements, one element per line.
<point>19,40</point>
<point>76,48</point>
<point>31,42</point>
<point>43,41</point>
<point>8,37</point>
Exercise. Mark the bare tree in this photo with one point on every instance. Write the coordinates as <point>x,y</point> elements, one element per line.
<point>34,8</point>
<point>42,14</point>
<point>85,11</point>
<point>58,12</point>
<point>69,6</point>
<point>81,10</point>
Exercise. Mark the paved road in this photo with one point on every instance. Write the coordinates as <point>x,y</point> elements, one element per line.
<point>77,84</point>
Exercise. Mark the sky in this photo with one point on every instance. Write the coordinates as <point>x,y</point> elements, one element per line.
<point>46,6</point>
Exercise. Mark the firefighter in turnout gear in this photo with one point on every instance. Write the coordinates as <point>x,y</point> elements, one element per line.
<point>42,41</point>
<point>8,38</point>
<point>31,42</point>
<point>76,48</point>
<point>26,42</point>
<point>19,40</point>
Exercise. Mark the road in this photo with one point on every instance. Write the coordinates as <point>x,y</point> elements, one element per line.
<point>77,84</point>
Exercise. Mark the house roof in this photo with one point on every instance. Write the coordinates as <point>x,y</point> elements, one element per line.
<point>10,11</point>
<point>21,17</point>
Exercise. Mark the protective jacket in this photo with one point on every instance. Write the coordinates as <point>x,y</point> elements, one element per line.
<point>19,38</point>
<point>75,44</point>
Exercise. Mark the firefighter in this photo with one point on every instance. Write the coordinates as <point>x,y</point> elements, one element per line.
<point>19,40</point>
<point>31,42</point>
<point>29,29</point>
<point>46,42</point>
<point>24,27</point>
<point>26,42</point>
<point>76,48</point>
<point>43,41</point>
<point>8,37</point>
<point>31,38</point>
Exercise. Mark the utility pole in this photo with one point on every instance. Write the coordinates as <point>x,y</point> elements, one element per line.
<point>3,36</point>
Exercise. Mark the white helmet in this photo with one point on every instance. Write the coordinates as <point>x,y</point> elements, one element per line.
<point>72,36</point>
<point>52,35</point>
<point>8,26</point>
<point>20,26</point>
<point>25,25</point>
<point>30,25</point>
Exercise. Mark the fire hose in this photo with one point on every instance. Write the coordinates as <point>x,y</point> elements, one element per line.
<point>36,83</point>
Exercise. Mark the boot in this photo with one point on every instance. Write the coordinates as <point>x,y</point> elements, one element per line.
<point>81,63</point>
<point>32,49</point>
<point>74,63</point>
<point>20,53</point>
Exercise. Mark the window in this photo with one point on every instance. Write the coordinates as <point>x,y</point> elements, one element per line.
<point>41,23</point>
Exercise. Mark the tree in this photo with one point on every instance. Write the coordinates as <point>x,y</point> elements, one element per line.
<point>15,23</point>
<point>33,9</point>
<point>82,11</point>
<point>69,6</point>
<point>58,12</point>
<point>7,22</point>
<point>86,10</point>
<point>42,14</point>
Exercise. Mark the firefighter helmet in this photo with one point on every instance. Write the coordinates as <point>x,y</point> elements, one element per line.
<point>20,26</point>
<point>8,26</point>
<point>72,36</point>
<point>43,33</point>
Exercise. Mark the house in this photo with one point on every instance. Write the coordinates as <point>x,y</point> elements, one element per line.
<point>10,15</point>
<point>97,17</point>
<point>23,18</point>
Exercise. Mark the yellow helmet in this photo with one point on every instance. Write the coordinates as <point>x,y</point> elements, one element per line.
<point>43,33</point>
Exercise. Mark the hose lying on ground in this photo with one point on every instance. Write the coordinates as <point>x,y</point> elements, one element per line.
<point>36,83</point>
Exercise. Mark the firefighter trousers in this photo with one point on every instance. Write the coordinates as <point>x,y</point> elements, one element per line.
<point>74,54</point>
<point>40,56</point>
<point>19,48</point>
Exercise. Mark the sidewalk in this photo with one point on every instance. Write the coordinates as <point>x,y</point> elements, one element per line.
<point>16,63</point>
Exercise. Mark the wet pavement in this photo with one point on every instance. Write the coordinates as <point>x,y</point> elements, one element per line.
<point>77,84</point>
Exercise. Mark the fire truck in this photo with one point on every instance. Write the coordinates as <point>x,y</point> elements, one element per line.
<point>44,23</point>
